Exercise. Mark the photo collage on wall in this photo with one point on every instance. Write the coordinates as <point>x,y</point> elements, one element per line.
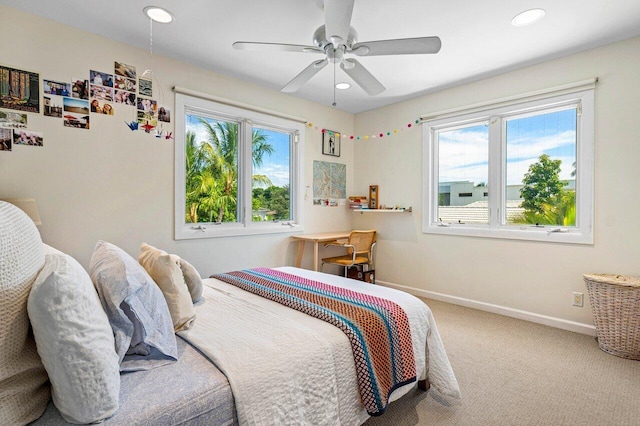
<point>76,101</point>
<point>19,91</point>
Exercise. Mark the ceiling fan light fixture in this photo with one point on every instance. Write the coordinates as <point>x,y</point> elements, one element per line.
<point>528,17</point>
<point>343,86</point>
<point>158,14</point>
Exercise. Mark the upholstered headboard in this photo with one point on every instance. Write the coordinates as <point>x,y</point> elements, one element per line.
<point>23,379</point>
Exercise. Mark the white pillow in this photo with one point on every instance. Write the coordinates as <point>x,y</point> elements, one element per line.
<point>192,279</point>
<point>165,270</point>
<point>136,309</point>
<point>75,341</point>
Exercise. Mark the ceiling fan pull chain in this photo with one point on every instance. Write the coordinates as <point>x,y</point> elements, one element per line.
<point>334,85</point>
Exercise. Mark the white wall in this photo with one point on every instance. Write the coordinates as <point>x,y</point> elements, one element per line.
<point>113,184</point>
<point>514,275</point>
<point>117,185</point>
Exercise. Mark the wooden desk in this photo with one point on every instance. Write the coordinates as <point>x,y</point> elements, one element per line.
<point>322,237</point>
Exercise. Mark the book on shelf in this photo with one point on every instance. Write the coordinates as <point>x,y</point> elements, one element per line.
<point>358,202</point>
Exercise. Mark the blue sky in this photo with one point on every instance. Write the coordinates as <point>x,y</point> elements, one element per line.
<point>464,152</point>
<point>274,166</point>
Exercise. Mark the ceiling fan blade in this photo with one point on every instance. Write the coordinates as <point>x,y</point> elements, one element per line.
<point>306,74</point>
<point>275,47</point>
<point>403,46</point>
<point>337,20</point>
<point>362,77</point>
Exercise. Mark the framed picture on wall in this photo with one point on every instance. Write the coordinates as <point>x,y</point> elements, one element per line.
<point>331,143</point>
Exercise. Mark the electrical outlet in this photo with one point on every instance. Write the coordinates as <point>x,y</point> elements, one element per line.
<point>578,299</point>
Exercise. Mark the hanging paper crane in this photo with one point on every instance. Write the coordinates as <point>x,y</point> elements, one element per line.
<point>148,127</point>
<point>132,125</point>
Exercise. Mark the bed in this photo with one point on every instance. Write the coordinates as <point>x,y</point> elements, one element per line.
<point>240,359</point>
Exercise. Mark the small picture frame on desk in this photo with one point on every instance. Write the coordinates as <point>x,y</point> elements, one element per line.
<point>331,143</point>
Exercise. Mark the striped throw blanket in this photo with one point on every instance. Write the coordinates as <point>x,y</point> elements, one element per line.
<point>378,329</point>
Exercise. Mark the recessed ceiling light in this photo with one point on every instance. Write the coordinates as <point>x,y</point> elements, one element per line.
<point>528,17</point>
<point>343,86</point>
<point>158,14</point>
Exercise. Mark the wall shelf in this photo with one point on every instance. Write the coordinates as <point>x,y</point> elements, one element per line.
<point>362,211</point>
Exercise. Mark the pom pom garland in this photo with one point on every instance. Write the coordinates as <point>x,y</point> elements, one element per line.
<point>365,137</point>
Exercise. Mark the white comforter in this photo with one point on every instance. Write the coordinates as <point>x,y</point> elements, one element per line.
<point>285,367</point>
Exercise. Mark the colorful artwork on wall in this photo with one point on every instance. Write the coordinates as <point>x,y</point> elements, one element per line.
<point>19,89</point>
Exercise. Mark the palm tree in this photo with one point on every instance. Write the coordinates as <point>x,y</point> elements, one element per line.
<point>560,210</point>
<point>212,169</point>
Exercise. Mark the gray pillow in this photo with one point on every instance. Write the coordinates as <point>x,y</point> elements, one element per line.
<point>192,279</point>
<point>136,309</point>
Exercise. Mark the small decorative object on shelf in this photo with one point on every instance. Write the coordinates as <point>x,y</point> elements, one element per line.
<point>373,196</point>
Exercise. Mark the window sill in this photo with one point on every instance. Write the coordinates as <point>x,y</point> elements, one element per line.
<point>212,230</point>
<point>554,234</point>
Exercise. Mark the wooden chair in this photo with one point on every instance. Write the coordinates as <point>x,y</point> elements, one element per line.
<point>359,248</point>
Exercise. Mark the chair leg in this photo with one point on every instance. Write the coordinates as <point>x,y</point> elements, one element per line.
<point>345,271</point>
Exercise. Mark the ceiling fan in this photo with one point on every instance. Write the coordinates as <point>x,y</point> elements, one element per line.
<point>335,39</point>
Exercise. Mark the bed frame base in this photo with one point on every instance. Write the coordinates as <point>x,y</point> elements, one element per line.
<point>424,384</point>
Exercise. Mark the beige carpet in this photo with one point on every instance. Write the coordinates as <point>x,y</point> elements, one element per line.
<point>513,372</point>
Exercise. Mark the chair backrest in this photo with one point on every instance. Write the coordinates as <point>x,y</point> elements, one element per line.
<point>362,240</point>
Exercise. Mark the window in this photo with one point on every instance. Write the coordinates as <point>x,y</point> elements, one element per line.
<point>237,171</point>
<point>520,169</point>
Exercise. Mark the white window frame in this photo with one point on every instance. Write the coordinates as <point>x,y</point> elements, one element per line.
<point>495,114</point>
<point>247,118</point>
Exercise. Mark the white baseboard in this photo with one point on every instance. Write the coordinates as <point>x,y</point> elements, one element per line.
<point>563,324</point>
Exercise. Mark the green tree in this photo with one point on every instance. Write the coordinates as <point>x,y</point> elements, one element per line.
<point>274,199</point>
<point>212,171</point>
<point>541,184</point>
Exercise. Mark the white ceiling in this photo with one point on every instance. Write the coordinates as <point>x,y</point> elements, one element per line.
<point>478,39</point>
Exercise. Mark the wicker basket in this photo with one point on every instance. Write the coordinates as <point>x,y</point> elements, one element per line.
<point>615,301</point>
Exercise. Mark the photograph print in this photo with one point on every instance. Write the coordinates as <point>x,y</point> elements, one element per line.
<point>80,88</point>
<point>78,106</point>
<point>124,97</point>
<point>6,136</point>
<point>19,90</point>
<point>145,87</point>
<point>124,83</point>
<point>53,106</point>
<point>25,137</point>
<point>50,87</point>
<point>124,70</point>
<point>164,114</point>
<point>102,93</point>
<point>13,119</point>
<point>77,121</point>
<point>100,78</point>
